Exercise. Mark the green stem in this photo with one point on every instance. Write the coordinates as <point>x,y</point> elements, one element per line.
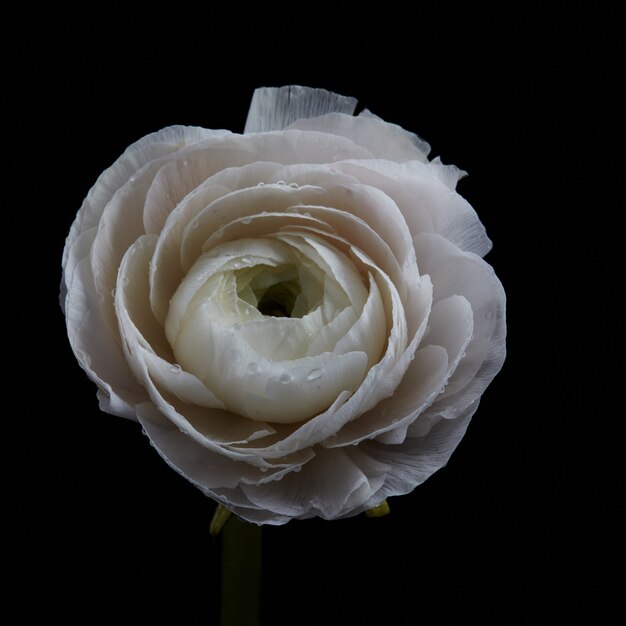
<point>241,571</point>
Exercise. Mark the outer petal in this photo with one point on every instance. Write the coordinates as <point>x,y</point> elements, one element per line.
<point>97,353</point>
<point>328,485</point>
<point>148,148</point>
<point>417,458</point>
<point>461,273</point>
<point>424,193</point>
<point>383,140</point>
<point>273,108</point>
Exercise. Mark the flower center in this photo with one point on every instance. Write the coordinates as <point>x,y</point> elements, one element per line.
<point>279,299</point>
<point>284,290</point>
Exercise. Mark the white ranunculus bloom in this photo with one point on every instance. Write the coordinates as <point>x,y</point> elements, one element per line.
<point>298,316</point>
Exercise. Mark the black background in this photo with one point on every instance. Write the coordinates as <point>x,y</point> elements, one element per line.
<point>103,528</point>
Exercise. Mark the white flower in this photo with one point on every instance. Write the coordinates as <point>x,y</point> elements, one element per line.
<point>298,316</point>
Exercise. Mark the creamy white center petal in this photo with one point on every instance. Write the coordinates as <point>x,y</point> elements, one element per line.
<point>277,328</point>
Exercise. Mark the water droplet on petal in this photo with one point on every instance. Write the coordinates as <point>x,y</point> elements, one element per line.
<point>284,378</point>
<point>280,182</point>
<point>294,185</point>
<point>125,280</point>
<point>234,356</point>
<point>194,224</point>
<point>185,162</point>
<point>263,469</point>
<point>176,369</point>
<point>315,374</point>
<point>246,220</point>
<point>252,368</point>
<point>261,185</point>
<point>113,292</point>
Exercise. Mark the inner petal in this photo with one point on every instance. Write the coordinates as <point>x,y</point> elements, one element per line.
<point>246,315</point>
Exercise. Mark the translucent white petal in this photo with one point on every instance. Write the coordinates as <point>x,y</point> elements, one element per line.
<point>323,488</point>
<point>97,352</point>
<point>332,262</point>
<point>416,459</point>
<point>379,383</point>
<point>205,468</point>
<point>273,108</point>
<point>315,174</point>
<point>135,157</point>
<point>383,140</point>
<point>263,224</point>
<point>456,272</point>
<point>423,194</point>
<point>166,271</point>
<point>254,385</point>
<point>208,426</point>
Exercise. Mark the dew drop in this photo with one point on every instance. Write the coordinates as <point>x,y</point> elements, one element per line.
<point>252,367</point>
<point>284,378</point>
<point>132,179</point>
<point>261,185</point>
<point>263,469</point>
<point>113,292</point>
<point>315,374</point>
<point>194,224</point>
<point>185,162</point>
<point>125,280</point>
<point>176,369</point>
<point>280,182</point>
<point>246,220</point>
<point>234,356</point>
<point>294,185</point>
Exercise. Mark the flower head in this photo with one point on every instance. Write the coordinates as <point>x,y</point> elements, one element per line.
<point>299,316</point>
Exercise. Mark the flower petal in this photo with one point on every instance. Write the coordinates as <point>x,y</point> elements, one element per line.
<point>323,487</point>
<point>273,108</point>
<point>456,272</point>
<point>135,157</point>
<point>383,140</point>
<point>424,193</point>
<point>418,458</point>
<point>100,357</point>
